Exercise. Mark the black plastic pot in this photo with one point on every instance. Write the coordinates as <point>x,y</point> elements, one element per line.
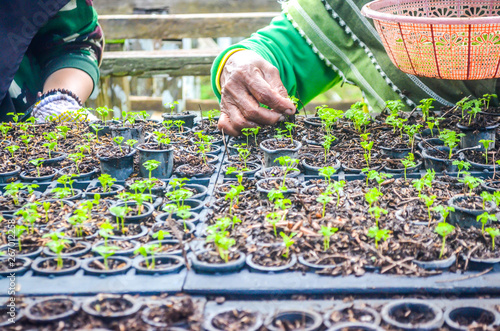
<point>135,219</point>
<point>32,255</point>
<point>158,190</point>
<point>140,267</point>
<point>195,218</point>
<point>162,225</point>
<point>105,128</point>
<point>11,176</point>
<point>312,319</point>
<point>161,325</point>
<point>437,264</point>
<point>201,191</point>
<point>399,217</point>
<point>302,260</point>
<point>132,306</point>
<point>28,179</point>
<point>313,122</point>
<point>466,218</point>
<point>187,117</point>
<point>196,205</point>
<point>182,171</point>
<point>355,326</point>
<point>89,270</point>
<point>424,144</point>
<point>487,186</point>
<point>177,252</point>
<point>125,252</point>
<point>77,195</point>
<point>80,177</point>
<point>314,171</point>
<point>67,301</point>
<point>266,173</point>
<point>402,170</point>
<point>427,134</point>
<point>165,157</point>
<point>143,233</point>
<point>419,306</point>
<point>473,136</point>
<point>395,153</point>
<point>264,192</point>
<point>369,316</point>
<point>255,267</point>
<point>19,271</point>
<point>253,168</point>
<point>477,264</point>
<point>209,324</point>
<point>113,190</point>
<point>270,156</point>
<point>86,248</point>
<point>483,167</point>
<point>439,165</point>
<point>213,268</point>
<point>128,134</point>
<point>36,267</point>
<point>471,313</point>
<point>119,168</point>
<point>55,159</point>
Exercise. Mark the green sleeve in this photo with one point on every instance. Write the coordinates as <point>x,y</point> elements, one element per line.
<point>71,39</point>
<point>303,73</point>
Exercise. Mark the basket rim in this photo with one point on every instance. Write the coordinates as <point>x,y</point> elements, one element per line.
<point>370,10</point>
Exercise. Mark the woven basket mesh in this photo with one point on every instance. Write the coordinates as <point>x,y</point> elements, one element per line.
<point>427,38</point>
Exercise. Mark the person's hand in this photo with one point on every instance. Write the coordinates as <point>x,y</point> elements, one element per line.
<point>247,81</point>
<point>64,107</point>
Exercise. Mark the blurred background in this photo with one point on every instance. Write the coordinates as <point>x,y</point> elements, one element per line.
<point>160,51</point>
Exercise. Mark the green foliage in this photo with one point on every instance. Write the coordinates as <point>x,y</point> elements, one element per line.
<point>484,218</point>
<point>106,182</point>
<point>408,162</point>
<point>461,165</point>
<point>327,232</point>
<point>486,145</point>
<point>287,240</point>
<point>444,230</point>
<point>443,210</point>
<point>378,234</point>
<point>56,244</point>
<point>493,232</point>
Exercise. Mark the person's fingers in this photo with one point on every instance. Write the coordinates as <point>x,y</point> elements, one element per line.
<point>246,104</point>
<point>233,121</point>
<point>225,125</point>
<point>265,85</point>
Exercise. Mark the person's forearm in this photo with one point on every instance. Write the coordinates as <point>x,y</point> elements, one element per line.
<point>75,80</point>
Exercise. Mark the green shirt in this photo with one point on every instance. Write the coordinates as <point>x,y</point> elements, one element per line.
<point>71,39</point>
<point>318,43</point>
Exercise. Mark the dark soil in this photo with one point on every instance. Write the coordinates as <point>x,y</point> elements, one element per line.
<point>51,264</point>
<point>155,147</point>
<point>470,202</point>
<point>408,316</point>
<point>270,257</point>
<point>174,312</point>
<point>44,171</point>
<point>113,152</point>
<point>479,156</point>
<point>130,230</point>
<point>159,264</point>
<point>113,264</point>
<point>234,320</point>
<point>352,315</point>
<point>484,320</point>
<point>276,144</point>
<point>109,306</point>
<point>201,170</point>
<point>213,257</point>
<point>298,324</point>
<point>277,184</point>
<point>5,264</point>
<point>275,172</point>
<point>52,307</point>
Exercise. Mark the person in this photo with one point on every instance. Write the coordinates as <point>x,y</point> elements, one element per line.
<point>310,47</point>
<point>50,52</point>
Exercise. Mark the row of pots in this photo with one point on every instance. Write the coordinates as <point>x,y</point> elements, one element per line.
<point>367,318</point>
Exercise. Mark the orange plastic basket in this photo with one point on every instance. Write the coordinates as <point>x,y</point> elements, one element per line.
<point>444,39</point>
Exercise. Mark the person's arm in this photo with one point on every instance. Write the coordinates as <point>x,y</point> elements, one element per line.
<point>264,69</point>
<point>69,50</point>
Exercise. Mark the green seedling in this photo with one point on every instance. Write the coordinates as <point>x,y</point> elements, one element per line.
<point>338,188</point>
<point>233,195</point>
<point>172,105</point>
<point>444,230</point>
<point>378,234</point>
<point>46,207</point>
<point>287,240</point>
<point>12,190</point>
<point>106,252</point>
<point>18,233</point>
<point>148,250</point>
<point>63,131</point>
<point>151,165</point>
<point>327,232</point>
<point>5,128</point>
<point>38,164</point>
<point>160,235</point>
<point>485,100</point>
<point>273,218</point>
<point>327,172</point>
<point>179,124</point>
<point>57,244</point>
<point>243,154</point>
<point>106,230</point>
<point>429,201</point>
<point>484,218</point>
<point>12,149</point>
<point>425,107</point>
<point>288,164</point>
<point>327,143</point>
<point>475,108</point>
<point>367,146</point>
<point>103,112</point>
<point>289,127</point>
<point>461,165</point>
<point>324,198</point>
<point>77,158</point>
<point>372,196</point>
<point>118,140</point>
<point>487,197</point>
<point>451,139</point>
<point>411,131</point>
<point>377,212</point>
<point>16,116</point>
<point>106,182</point>
<point>471,182</point>
<point>443,210</point>
<point>486,145</point>
<point>493,232</point>
<point>408,162</point>
<point>120,213</point>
